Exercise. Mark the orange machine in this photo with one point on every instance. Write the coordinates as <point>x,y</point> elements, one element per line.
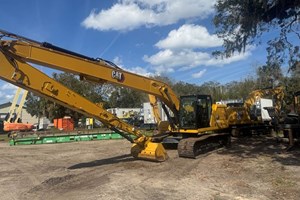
<point>13,119</point>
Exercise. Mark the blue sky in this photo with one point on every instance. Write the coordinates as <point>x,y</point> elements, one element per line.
<point>167,37</point>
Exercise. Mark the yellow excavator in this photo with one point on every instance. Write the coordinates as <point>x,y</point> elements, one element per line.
<point>201,124</point>
<point>18,72</point>
<point>254,113</point>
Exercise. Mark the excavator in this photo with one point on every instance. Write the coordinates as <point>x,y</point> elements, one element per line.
<point>201,124</point>
<point>254,113</point>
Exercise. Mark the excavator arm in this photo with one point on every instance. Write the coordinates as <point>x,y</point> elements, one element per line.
<point>95,70</point>
<point>16,71</point>
<point>21,104</point>
<point>277,95</point>
<point>12,108</point>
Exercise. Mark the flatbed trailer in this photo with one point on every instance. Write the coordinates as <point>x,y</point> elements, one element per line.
<point>63,138</point>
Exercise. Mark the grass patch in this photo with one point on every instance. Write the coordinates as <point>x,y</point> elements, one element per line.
<point>280,181</point>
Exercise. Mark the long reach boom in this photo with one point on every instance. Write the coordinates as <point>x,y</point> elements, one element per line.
<point>14,55</point>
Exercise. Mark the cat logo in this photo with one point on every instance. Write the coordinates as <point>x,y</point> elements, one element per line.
<point>117,75</point>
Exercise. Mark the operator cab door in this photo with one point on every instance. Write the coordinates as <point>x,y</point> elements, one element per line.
<point>195,111</point>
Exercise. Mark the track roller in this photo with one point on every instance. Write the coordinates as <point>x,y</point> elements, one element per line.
<point>194,146</point>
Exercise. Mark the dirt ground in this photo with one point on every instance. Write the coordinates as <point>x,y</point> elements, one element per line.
<point>253,168</point>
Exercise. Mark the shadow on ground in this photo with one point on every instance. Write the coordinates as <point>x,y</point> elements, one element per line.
<point>243,147</point>
<point>255,146</point>
<point>106,161</point>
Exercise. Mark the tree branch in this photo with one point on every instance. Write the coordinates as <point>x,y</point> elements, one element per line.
<point>279,10</point>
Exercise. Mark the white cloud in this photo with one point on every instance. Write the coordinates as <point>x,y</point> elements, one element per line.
<point>179,51</point>
<point>131,14</point>
<point>140,71</point>
<point>189,36</point>
<point>176,59</point>
<point>170,61</point>
<point>199,74</point>
<point>136,70</point>
<point>9,97</point>
<point>118,17</point>
<point>117,60</point>
<point>8,86</point>
<point>7,92</point>
<point>234,58</point>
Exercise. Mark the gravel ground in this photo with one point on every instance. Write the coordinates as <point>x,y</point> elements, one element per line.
<point>253,168</point>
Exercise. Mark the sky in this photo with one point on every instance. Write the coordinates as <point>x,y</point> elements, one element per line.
<point>173,38</point>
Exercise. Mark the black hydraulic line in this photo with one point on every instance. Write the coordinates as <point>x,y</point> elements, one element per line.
<point>4,33</point>
<point>45,44</point>
<point>168,115</point>
<point>122,134</point>
<point>12,35</point>
<point>56,48</point>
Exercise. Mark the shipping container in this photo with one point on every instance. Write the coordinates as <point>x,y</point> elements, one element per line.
<point>66,124</point>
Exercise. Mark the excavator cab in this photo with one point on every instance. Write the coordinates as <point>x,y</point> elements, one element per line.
<point>195,111</point>
<point>198,116</point>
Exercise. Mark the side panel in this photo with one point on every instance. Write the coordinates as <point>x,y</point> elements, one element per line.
<point>264,113</point>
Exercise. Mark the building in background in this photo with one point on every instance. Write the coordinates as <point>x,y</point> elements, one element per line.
<point>25,116</point>
<point>148,115</point>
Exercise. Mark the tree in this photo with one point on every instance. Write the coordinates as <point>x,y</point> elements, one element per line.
<point>241,89</point>
<point>215,89</point>
<point>269,76</point>
<point>39,106</point>
<point>239,23</point>
<point>292,83</point>
<point>165,79</point>
<point>182,88</point>
<point>126,98</point>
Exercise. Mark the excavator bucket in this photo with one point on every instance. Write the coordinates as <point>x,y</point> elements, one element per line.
<point>151,151</point>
